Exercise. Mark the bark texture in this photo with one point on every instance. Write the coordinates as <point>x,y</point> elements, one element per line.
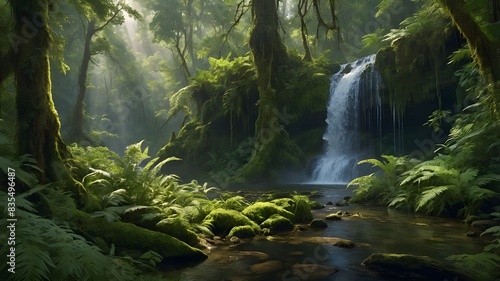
<point>272,143</point>
<point>485,51</point>
<point>38,126</point>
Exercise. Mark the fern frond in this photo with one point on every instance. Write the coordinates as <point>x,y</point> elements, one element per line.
<point>431,194</point>
<point>495,231</point>
<point>400,199</point>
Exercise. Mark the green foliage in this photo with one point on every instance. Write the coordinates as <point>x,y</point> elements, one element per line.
<point>46,250</point>
<point>142,195</point>
<point>385,187</point>
<point>417,51</point>
<point>151,257</point>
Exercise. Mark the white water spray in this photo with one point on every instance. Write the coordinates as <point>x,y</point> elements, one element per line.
<point>344,148</point>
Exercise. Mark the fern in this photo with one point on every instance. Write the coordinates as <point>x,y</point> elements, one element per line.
<point>429,197</point>
<point>484,265</point>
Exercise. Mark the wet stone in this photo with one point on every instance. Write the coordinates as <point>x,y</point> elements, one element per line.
<point>265,267</point>
<point>333,217</point>
<point>318,223</point>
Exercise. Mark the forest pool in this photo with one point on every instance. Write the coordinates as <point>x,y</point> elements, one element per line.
<point>377,229</point>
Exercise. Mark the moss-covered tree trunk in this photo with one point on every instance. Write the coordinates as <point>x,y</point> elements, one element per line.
<point>485,51</point>
<point>38,123</point>
<point>272,144</point>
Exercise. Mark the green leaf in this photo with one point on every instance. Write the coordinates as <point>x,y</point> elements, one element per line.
<point>430,195</point>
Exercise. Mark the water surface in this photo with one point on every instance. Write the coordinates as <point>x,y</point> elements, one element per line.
<point>378,229</point>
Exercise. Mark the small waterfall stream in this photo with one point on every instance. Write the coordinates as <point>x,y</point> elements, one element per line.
<point>355,107</point>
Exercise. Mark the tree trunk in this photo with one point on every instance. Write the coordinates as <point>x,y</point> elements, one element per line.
<point>485,52</point>
<point>302,11</point>
<point>37,120</point>
<point>77,134</point>
<point>272,144</point>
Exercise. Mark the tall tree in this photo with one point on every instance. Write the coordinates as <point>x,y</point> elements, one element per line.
<point>273,145</point>
<point>98,15</point>
<point>37,120</point>
<point>269,54</point>
<point>483,39</point>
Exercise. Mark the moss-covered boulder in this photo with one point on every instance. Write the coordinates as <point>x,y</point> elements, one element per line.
<point>318,223</point>
<point>261,211</point>
<point>177,228</point>
<point>277,223</point>
<point>286,203</point>
<point>238,203</point>
<point>221,221</point>
<point>299,205</point>
<point>131,237</point>
<point>410,267</point>
<point>302,209</point>
<point>333,217</point>
<point>315,205</point>
<point>242,231</point>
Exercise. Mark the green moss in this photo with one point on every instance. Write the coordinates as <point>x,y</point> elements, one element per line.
<point>302,209</point>
<point>242,231</point>
<point>277,223</point>
<point>333,217</point>
<point>222,221</point>
<point>286,203</point>
<point>260,211</point>
<point>177,228</point>
<point>132,237</point>
<point>237,203</point>
<point>315,205</point>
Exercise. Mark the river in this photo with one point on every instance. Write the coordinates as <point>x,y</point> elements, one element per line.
<point>376,229</point>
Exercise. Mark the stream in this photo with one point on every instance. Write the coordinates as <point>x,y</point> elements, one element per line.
<point>310,255</point>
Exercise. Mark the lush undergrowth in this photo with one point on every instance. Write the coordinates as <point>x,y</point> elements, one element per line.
<point>57,241</point>
<point>461,180</point>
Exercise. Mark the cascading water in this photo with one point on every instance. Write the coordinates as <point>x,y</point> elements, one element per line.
<point>354,94</point>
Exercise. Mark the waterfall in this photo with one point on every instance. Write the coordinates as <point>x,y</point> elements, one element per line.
<point>354,111</point>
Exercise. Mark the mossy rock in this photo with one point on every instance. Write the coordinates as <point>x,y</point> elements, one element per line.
<point>242,231</point>
<point>286,203</point>
<point>318,223</point>
<point>344,243</point>
<point>222,221</point>
<point>302,209</point>
<point>277,223</point>
<point>131,237</point>
<point>315,205</point>
<point>175,227</point>
<point>300,206</point>
<point>261,211</point>
<point>238,203</point>
<point>333,217</point>
<point>410,267</point>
